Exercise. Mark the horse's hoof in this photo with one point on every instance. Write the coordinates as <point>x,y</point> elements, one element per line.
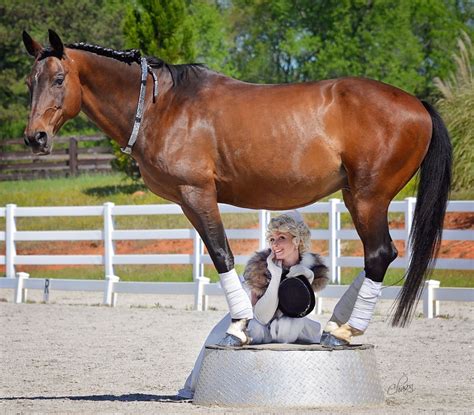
<point>324,337</point>
<point>331,341</point>
<point>230,341</point>
<point>236,334</point>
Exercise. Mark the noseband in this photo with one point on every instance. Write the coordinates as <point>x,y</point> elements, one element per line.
<point>145,68</point>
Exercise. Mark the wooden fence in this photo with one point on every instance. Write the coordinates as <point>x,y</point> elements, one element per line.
<point>71,156</point>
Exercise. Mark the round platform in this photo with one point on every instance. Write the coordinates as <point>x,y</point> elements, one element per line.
<point>289,375</point>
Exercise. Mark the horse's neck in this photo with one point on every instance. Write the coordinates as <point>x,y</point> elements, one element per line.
<point>110,92</point>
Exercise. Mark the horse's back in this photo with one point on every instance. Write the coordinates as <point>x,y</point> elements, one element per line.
<point>324,119</point>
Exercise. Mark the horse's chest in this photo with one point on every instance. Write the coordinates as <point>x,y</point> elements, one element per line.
<point>160,182</point>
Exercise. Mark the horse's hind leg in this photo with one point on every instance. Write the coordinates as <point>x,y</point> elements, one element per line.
<point>354,311</point>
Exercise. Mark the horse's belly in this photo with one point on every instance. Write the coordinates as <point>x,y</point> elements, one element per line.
<point>281,173</point>
<point>282,190</point>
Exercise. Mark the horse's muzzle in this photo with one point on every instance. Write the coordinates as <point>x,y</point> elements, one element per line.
<point>38,142</point>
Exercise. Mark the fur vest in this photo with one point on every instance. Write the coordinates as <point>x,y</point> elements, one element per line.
<point>257,276</point>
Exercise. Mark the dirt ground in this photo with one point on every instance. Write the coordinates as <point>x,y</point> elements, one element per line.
<point>74,356</point>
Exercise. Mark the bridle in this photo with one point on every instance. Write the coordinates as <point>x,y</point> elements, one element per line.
<point>145,69</point>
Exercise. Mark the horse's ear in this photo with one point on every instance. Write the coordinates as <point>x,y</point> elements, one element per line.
<point>56,43</point>
<point>31,45</point>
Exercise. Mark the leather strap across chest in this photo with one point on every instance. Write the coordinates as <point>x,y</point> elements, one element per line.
<point>145,69</point>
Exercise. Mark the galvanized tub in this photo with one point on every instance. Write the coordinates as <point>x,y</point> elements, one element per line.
<point>289,375</point>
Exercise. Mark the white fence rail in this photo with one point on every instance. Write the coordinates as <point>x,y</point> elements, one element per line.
<point>108,234</point>
<point>202,288</point>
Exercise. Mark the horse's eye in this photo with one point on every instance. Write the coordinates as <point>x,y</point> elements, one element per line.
<point>58,81</point>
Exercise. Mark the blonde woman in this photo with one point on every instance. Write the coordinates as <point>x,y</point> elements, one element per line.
<point>288,256</point>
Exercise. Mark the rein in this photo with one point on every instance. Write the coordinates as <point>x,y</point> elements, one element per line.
<point>145,69</point>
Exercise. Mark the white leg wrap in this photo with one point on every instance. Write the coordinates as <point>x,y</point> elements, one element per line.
<point>365,304</point>
<point>345,305</point>
<point>237,299</point>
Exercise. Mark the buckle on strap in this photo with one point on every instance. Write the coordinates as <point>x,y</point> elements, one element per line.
<point>139,112</point>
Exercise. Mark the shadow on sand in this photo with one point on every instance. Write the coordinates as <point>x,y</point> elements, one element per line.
<point>129,397</point>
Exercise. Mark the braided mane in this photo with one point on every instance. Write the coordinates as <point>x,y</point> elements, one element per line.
<point>180,74</point>
<point>127,56</point>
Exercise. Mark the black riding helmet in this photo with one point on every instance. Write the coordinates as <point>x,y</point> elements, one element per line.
<point>296,296</point>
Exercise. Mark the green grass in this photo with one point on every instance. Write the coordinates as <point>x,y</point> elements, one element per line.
<point>148,273</point>
<point>89,190</point>
<point>73,191</point>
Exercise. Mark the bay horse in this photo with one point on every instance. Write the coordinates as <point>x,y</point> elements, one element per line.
<point>203,138</point>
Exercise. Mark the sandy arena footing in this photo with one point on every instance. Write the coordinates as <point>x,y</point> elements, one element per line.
<point>77,356</point>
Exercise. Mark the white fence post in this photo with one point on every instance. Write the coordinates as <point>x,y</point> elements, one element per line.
<point>198,247</point>
<point>200,300</point>
<point>10,250</point>
<point>318,307</point>
<point>430,306</point>
<point>47,283</point>
<point>110,297</point>
<point>20,292</point>
<point>201,253</point>
<point>263,221</point>
<point>334,243</point>
<point>109,250</point>
<point>409,210</point>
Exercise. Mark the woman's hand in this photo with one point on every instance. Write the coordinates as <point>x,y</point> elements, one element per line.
<point>299,269</point>
<point>265,307</point>
<point>275,269</point>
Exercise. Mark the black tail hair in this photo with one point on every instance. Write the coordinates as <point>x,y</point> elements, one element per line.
<point>433,192</point>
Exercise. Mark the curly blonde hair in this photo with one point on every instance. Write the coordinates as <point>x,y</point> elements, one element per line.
<point>298,229</point>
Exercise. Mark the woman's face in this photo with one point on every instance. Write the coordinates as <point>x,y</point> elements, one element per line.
<point>283,247</point>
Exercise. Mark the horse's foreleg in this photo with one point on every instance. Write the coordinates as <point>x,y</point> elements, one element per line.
<point>200,207</point>
<point>355,309</point>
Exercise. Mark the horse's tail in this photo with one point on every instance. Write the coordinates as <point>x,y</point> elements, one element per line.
<point>433,191</point>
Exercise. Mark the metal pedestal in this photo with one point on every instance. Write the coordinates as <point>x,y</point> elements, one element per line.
<point>289,375</point>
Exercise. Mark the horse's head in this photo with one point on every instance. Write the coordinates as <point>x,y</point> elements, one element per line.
<point>55,92</point>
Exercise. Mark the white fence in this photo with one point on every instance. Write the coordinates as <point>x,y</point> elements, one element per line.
<point>201,288</point>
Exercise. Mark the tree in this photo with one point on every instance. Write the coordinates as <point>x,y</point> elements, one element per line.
<point>270,40</point>
<point>213,39</point>
<point>402,42</point>
<point>368,38</point>
<point>161,28</point>
<point>180,32</point>
<point>437,24</point>
<point>457,107</point>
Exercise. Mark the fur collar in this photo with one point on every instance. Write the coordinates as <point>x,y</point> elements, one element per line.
<point>257,276</point>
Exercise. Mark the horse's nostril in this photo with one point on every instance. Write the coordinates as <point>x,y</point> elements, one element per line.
<point>40,137</point>
<point>27,142</point>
